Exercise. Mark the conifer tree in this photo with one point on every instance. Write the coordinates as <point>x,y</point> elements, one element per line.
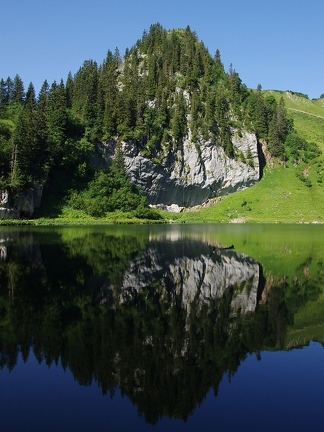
<point>18,93</point>
<point>275,144</point>
<point>219,67</point>
<point>119,159</point>
<point>110,95</point>
<point>69,90</point>
<point>235,89</point>
<point>30,101</point>
<point>57,118</point>
<point>22,139</point>
<point>43,143</point>
<point>179,120</point>
<point>10,89</point>
<point>209,115</point>
<point>261,115</point>
<point>85,92</point>
<point>4,99</point>
<point>195,125</point>
<point>283,123</point>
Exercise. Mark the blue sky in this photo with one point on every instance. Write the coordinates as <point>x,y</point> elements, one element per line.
<point>275,43</point>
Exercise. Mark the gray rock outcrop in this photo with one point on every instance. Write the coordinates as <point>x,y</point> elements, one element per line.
<point>194,174</point>
<point>22,205</point>
<point>7,211</point>
<point>200,279</point>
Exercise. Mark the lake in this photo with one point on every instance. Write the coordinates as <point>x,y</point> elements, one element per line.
<point>168,327</point>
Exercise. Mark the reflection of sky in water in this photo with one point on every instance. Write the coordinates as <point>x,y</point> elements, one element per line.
<point>282,392</point>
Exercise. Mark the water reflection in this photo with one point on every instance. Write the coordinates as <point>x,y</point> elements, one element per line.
<point>163,317</point>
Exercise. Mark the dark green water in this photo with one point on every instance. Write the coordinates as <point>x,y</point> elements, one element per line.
<point>162,327</point>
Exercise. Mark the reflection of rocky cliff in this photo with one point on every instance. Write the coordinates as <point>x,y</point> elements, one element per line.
<point>196,273</point>
<point>191,270</point>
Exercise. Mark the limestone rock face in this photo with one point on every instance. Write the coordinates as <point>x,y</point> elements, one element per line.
<point>7,211</point>
<point>200,279</point>
<point>193,175</point>
<point>21,206</point>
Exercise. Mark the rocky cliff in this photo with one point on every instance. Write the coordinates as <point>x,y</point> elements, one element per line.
<point>179,178</point>
<point>21,206</point>
<point>192,175</point>
<point>201,277</point>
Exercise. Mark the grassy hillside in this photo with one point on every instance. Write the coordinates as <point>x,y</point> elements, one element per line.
<point>308,115</point>
<point>280,196</point>
<point>284,194</point>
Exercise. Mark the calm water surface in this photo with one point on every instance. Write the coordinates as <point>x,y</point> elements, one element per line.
<point>179,327</point>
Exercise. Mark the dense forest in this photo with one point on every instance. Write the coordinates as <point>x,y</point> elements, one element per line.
<point>166,88</point>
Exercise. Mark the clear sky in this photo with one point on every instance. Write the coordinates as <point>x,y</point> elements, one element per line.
<point>275,43</point>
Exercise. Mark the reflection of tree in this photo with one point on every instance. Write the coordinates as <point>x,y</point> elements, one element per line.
<point>163,352</point>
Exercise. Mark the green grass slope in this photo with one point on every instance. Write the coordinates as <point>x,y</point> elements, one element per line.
<point>284,194</point>
<point>308,115</point>
<point>280,197</point>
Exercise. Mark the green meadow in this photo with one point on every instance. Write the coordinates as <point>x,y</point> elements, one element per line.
<point>308,115</point>
<point>281,196</point>
<point>285,193</point>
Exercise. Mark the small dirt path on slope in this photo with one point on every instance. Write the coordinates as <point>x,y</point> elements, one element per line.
<point>305,112</point>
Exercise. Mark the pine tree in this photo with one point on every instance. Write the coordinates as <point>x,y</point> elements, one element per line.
<point>10,89</point>
<point>56,114</point>
<point>109,97</point>
<point>22,138</point>
<point>119,159</point>
<point>222,118</point>
<point>283,123</point>
<point>275,144</point>
<point>235,89</point>
<point>100,111</point>
<point>30,156</point>
<point>260,115</point>
<point>195,125</point>
<point>85,92</point>
<point>4,99</point>
<point>179,120</point>
<point>219,67</point>
<point>221,108</point>
<point>5,153</point>
<point>209,122</point>
<point>18,93</point>
<point>69,90</point>
<point>30,101</point>
<point>43,145</point>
